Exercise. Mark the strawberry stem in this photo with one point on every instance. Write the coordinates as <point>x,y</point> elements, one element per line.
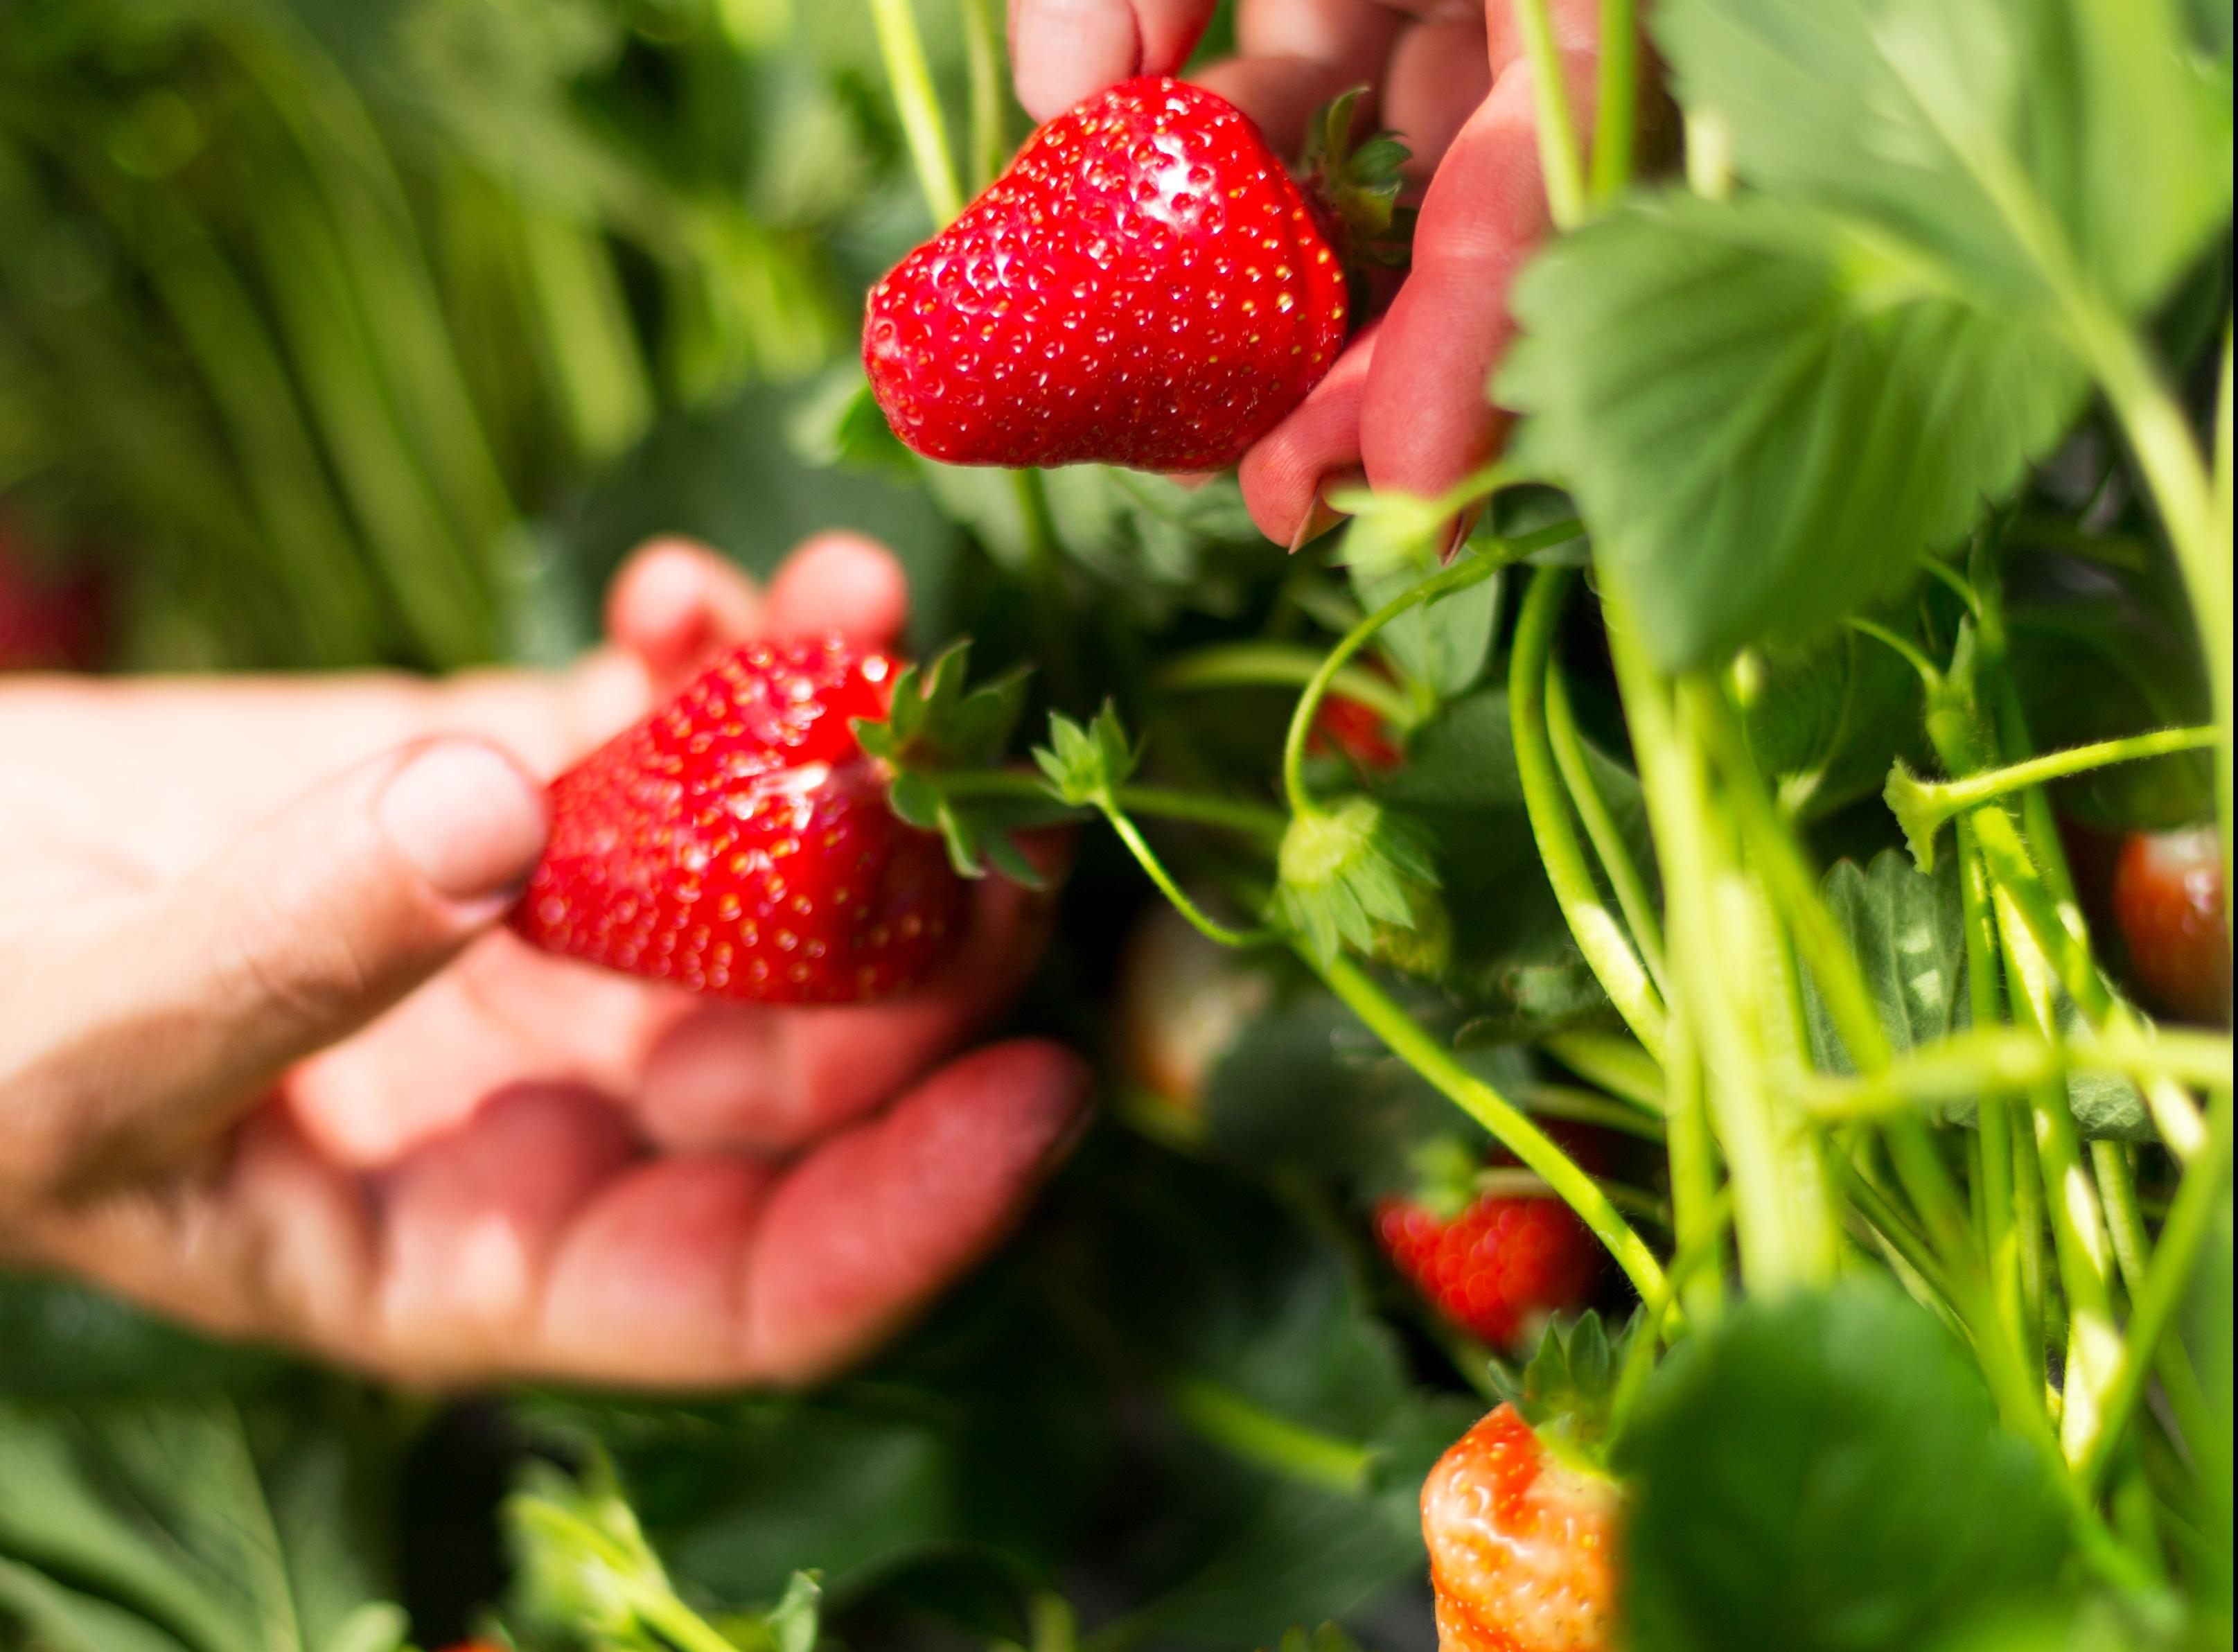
<point>1558,137</point>
<point>1282,664</point>
<point>1616,101</point>
<point>1248,1430</point>
<point>1609,950</point>
<point>1509,1127</point>
<point>918,101</point>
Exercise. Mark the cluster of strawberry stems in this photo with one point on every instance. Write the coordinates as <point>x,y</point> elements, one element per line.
<point>1766,1156</point>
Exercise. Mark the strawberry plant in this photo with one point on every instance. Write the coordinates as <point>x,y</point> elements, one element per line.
<point>1666,1007</point>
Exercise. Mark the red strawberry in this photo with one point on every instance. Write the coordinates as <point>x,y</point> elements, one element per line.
<point>1358,733</point>
<point>1498,1268</point>
<point>739,842</point>
<point>1521,1544</point>
<point>46,623</point>
<point>1145,286</point>
<point>2167,897</point>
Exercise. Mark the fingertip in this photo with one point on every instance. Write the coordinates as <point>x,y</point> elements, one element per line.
<point>674,600</point>
<point>1064,51</point>
<point>843,583</point>
<point>1287,471</point>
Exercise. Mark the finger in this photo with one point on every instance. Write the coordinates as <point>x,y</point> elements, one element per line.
<point>157,1018</point>
<point>1425,418</point>
<point>468,1225</point>
<point>646,1283</point>
<point>1294,56</point>
<point>1288,470</point>
<point>841,582</point>
<point>1436,76</point>
<point>674,602</point>
<point>865,1230</point>
<point>1064,51</point>
<point>750,1077</point>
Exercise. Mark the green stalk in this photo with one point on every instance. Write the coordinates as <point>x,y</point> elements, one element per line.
<point>1139,847</point>
<point>1509,1127</point>
<point>983,69</point>
<point>1993,1156</point>
<point>1282,665</point>
<point>918,103</point>
<point>1700,1210</point>
<point>1471,569</point>
<point>2154,1306</point>
<point>1965,1065</point>
<point>1615,1063</point>
<point>1616,102</point>
<point>1601,829</point>
<point>2078,1232</point>
<point>2027,1234</point>
<point>1194,808</point>
<point>2184,493</point>
<point>1247,1429</point>
<point>1922,807</point>
<point>1558,135</point>
<point>2133,1249</point>
<point>1608,950</point>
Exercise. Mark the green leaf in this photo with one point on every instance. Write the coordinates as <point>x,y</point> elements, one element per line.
<point>2098,654</point>
<point>1825,1473</point>
<point>1768,418</point>
<point>1515,966</point>
<point>1087,764</point>
<point>1906,929</point>
<point>1443,645</point>
<point>1823,719</point>
<point>209,1523</point>
<point>2005,141</point>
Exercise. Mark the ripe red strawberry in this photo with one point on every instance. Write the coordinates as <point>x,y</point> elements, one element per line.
<point>1520,1543</point>
<point>1144,286</point>
<point>1497,1268</point>
<point>1357,732</point>
<point>2169,899</point>
<point>739,842</point>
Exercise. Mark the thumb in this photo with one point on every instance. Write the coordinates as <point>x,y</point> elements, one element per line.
<point>167,1014</point>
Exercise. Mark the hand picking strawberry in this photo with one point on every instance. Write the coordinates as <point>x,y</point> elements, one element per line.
<point>1145,286</point>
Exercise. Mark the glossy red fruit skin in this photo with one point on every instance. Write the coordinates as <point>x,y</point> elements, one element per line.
<point>738,842</point>
<point>1521,1545</point>
<point>1497,1270</point>
<point>1145,286</point>
<point>2169,899</point>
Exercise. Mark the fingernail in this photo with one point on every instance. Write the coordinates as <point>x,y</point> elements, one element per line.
<point>1316,521</point>
<point>466,818</point>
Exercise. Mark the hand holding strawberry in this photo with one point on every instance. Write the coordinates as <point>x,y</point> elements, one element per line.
<point>339,1106</point>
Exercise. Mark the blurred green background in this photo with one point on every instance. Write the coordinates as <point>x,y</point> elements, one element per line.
<point>336,333</point>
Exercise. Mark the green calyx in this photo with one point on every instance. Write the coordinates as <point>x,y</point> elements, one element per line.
<point>1354,875</point>
<point>1356,185</point>
<point>1568,1391</point>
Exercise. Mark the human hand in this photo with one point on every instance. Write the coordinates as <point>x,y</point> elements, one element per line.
<point>1405,406</point>
<point>269,1063</point>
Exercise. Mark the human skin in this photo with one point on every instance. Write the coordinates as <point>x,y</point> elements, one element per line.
<point>1404,407</point>
<point>270,1063</point>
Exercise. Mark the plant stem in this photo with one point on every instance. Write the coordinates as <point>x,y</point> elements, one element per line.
<point>1194,808</point>
<point>1509,1127</point>
<point>1471,569</point>
<point>1922,805</point>
<point>1608,950</point>
<point>2153,1305</point>
<point>2183,492</point>
<point>1700,1209</point>
<point>1248,1430</point>
<point>2007,1060</point>
<point>1616,102</point>
<point>1284,665</point>
<point>1558,162</point>
<point>1139,847</point>
<point>1615,1063</point>
<point>1993,1130</point>
<point>918,104</point>
<point>1607,839</point>
<point>982,67</point>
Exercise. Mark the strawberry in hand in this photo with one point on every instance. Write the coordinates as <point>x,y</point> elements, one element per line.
<point>1145,286</point>
<point>738,841</point>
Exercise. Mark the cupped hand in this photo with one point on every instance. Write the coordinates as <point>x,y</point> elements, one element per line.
<point>270,1062</point>
<point>1404,407</point>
